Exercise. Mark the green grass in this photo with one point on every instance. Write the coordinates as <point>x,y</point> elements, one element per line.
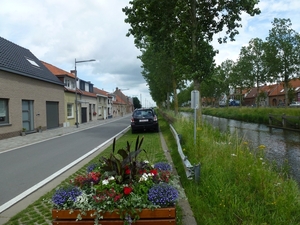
<point>249,114</point>
<point>237,186</point>
<point>40,211</point>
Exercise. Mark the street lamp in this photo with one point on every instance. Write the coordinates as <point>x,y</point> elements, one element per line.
<point>76,103</point>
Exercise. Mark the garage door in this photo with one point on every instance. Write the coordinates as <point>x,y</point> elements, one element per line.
<point>52,115</point>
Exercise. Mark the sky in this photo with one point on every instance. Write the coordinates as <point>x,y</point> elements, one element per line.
<point>60,31</point>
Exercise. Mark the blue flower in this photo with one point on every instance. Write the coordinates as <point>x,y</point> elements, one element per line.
<point>163,194</point>
<point>91,167</point>
<point>163,166</point>
<point>65,196</point>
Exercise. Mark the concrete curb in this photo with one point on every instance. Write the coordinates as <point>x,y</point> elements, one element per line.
<point>188,215</point>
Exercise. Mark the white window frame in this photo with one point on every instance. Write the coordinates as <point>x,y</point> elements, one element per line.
<point>71,105</point>
<point>4,111</point>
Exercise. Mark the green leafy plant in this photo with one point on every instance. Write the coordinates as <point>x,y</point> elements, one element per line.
<point>123,164</point>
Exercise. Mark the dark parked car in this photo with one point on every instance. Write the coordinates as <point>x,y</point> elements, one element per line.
<point>144,119</point>
<point>234,103</point>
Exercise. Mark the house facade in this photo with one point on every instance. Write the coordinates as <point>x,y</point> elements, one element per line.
<point>126,105</point>
<point>88,106</point>
<point>272,95</point>
<point>104,106</point>
<point>30,95</point>
<point>68,79</point>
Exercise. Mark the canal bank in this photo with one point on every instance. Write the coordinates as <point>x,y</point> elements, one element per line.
<point>236,186</point>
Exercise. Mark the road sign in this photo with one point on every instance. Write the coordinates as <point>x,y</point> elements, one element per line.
<point>194,99</point>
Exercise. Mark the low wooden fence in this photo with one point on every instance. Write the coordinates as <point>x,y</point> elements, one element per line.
<point>284,122</point>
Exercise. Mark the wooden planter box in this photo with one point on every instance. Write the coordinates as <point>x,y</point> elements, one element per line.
<point>161,216</point>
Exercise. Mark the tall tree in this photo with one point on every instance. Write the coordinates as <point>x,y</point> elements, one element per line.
<point>187,26</point>
<point>283,48</point>
<point>153,24</point>
<point>156,71</point>
<point>224,77</point>
<point>253,59</point>
<point>136,103</point>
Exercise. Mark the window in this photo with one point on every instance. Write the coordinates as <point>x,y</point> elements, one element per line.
<point>91,88</point>
<point>32,62</point>
<point>70,110</point>
<point>67,83</point>
<point>3,111</point>
<point>82,85</point>
<point>70,83</point>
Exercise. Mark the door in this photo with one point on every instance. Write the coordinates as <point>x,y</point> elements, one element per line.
<point>27,115</point>
<point>90,112</point>
<point>83,115</point>
<point>104,113</point>
<point>52,115</point>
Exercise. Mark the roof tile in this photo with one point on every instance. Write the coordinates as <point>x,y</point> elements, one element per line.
<point>19,60</point>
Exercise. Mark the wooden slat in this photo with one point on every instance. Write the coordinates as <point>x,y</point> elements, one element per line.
<point>161,213</point>
<point>117,222</point>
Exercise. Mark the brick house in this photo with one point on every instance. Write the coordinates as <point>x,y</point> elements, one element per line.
<point>272,95</point>
<point>125,103</point>
<point>68,79</point>
<point>104,106</point>
<point>30,95</point>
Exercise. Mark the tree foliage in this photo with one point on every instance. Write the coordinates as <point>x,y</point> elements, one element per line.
<point>283,58</point>
<point>136,103</point>
<point>183,30</point>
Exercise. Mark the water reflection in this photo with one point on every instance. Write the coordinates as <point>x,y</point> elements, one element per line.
<point>281,145</point>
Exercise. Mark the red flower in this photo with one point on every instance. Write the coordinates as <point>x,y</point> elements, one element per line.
<point>142,171</point>
<point>154,171</point>
<point>127,190</point>
<point>127,171</point>
<point>117,197</point>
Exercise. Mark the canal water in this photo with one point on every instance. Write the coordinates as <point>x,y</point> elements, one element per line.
<point>281,146</point>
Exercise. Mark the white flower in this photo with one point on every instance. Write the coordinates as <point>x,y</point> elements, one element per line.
<point>105,182</point>
<point>111,178</point>
<point>146,161</point>
<point>233,154</point>
<point>144,177</point>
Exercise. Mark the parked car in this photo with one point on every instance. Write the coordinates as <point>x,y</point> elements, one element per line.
<point>234,103</point>
<point>295,104</point>
<point>144,119</point>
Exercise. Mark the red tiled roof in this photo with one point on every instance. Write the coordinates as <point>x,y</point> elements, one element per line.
<point>88,94</point>
<point>119,101</point>
<point>57,71</point>
<point>100,92</point>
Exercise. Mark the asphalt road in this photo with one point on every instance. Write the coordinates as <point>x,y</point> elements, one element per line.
<point>23,168</point>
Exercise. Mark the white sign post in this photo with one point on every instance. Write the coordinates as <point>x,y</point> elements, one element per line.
<point>195,106</point>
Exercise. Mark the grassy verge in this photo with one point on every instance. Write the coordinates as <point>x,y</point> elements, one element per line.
<point>236,186</point>
<point>247,114</point>
<point>40,211</point>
